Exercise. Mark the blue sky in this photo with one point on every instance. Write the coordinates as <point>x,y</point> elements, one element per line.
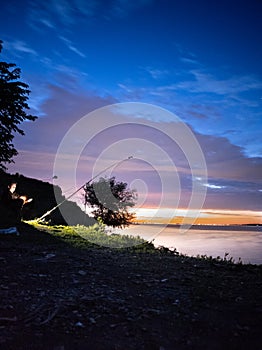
<point>200,60</point>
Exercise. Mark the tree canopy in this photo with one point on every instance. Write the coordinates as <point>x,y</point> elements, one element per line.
<point>111,201</point>
<point>13,106</point>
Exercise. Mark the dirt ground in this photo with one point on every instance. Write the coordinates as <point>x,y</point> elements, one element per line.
<point>56,296</point>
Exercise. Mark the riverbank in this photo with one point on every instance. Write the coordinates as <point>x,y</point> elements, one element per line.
<point>61,293</point>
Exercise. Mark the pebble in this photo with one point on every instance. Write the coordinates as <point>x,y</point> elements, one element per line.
<point>79,324</point>
<point>164,280</point>
<point>92,320</point>
<point>82,272</point>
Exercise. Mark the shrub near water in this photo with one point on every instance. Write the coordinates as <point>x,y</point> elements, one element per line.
<point>85,235</point>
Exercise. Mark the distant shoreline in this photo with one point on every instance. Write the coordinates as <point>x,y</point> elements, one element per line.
<point>231,227</point>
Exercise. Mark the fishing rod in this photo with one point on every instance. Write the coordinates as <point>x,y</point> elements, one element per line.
<point>86,183</point>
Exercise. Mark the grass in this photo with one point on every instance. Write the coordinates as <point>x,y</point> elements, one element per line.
<point>226,259</point>
<point>90,236</point>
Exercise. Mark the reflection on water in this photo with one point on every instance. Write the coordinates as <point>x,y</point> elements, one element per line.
<point>243,242</point>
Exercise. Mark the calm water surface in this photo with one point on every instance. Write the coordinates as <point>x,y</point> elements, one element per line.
<point>243,242</point>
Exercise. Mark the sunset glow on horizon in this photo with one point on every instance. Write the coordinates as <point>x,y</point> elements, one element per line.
<point>204,217</point>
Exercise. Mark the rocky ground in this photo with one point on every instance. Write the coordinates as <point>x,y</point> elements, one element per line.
<point>56,296</point>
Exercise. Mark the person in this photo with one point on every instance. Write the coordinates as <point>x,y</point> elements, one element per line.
<point>11,204</point>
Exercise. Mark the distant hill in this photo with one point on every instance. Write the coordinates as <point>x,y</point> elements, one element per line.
<point>44,200</point>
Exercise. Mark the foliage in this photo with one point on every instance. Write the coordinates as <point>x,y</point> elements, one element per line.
<point>87,236</point>
<point>226,259</point>
<point>111,200</point>
<point>13,106</point>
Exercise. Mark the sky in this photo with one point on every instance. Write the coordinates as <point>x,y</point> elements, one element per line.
<point>131,72</point>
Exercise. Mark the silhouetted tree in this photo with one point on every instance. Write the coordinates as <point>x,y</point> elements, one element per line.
<point>13,106</point>
<point>111,200</point>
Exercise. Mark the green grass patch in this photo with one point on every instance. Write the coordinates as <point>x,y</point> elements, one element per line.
<point>95,235</point>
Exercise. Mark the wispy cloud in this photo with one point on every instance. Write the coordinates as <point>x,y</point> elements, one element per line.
<point>222,101</point>
<point>68,13</point>
<point>49,13</point>
<point>20,47</point>
<point>47,22</point>
<point>203,82</point>
<point>124,87</point>
<point>40,161</point>
<point>198,115</point>
<point>189,60</point>
<point>64,10</point>
<point>71,47</point>
<point>39,16</point>
<point>156,73</point>
<point>70,73</point>
<point>215,187</point>
<point>246,213</point>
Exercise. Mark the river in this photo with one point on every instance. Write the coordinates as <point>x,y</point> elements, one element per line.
<point>239,242</point>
